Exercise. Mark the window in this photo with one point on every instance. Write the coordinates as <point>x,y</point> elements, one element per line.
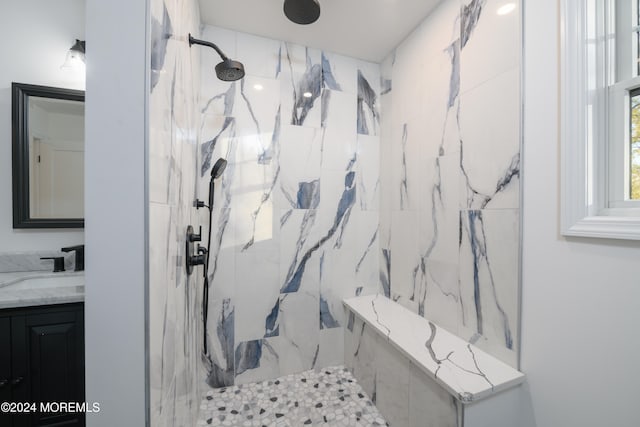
<point>634,147</point>
<point>624,105</point>
<point>600,106</point>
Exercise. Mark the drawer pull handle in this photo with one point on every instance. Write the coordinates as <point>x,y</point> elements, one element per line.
<point>3,382</point>
<point>17,381</point>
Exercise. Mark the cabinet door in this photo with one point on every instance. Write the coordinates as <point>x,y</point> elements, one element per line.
<point>56,363</point>
<point>5,368</point>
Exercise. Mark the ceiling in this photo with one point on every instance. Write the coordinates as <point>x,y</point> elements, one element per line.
<point>365,29</point>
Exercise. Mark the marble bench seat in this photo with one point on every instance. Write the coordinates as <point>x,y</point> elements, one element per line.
<point>420,375</point>
<point>465,371</point>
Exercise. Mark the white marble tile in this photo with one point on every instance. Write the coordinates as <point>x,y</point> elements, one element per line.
<point>256,111</point>
<point>338,150</point>
<point>465,371</point>
<point>489,274</point>
<point>299,340</point>
<point>339,72</point>
<point>491,144</point>
<point>339,113</point>
<point>257,288</point>
<point>256,361</point>
<point>219,363</point>
<point>299,255</point>
<point>174,297</point>
<point>299,174</point>
<point>349,266</point>
<point>405,255</point>
<point>429,404</point>
<point>367,168</point>
<point>368,98</point>
<point>301,85</point>
<point>360,355</point>
<point>331,351</point>
<point>260,55</point>
<point>406,168</point>
<point>392,384</point>
<point>491,42</point>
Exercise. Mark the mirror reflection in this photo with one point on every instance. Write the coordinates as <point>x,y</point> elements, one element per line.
<point>56,158</point>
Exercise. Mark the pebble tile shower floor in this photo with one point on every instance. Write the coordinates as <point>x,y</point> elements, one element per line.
<point>330,397</point>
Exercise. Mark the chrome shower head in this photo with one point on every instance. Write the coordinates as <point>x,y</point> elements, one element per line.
<point>302,12</point>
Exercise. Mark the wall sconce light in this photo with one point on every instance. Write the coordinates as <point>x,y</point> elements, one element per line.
<point>75,55</point>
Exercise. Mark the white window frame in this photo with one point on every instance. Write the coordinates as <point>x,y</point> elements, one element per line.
<point>588,102</point>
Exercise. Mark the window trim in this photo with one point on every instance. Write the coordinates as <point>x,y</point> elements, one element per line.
<point>585,156</point>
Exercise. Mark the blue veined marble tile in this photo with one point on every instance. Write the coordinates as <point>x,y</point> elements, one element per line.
<point>326,318</point>
<point>308,195</point>
<point>220,372</point>
<point>470,16</point>
<point>488,271</point>
<point>301,78</point>
<point>206,149</point>
<point>328,79</point>
<point>345,204</point>
<point>368,114</point>
<point>160,34</point>
<point>248,355</point>
<point>385,272</point>
<point>272,328</point>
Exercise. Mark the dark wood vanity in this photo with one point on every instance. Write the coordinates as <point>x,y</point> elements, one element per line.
<point>42,360</point>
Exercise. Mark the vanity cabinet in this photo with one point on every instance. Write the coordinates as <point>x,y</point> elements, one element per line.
<point>42,360</point>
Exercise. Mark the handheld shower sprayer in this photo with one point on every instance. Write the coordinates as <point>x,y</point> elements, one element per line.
<point>203,254</point>
<point>216,172</point>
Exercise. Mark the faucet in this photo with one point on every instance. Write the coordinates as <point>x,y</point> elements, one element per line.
<point>79,250</point>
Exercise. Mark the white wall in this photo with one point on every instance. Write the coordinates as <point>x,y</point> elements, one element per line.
<point>36,35</point>
<point>581,297</point>
<point>116,211</point>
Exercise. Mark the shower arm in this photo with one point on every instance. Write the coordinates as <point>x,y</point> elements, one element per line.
<point>193,41</point>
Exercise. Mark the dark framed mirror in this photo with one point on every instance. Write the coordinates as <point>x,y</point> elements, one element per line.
<point>48,157</point>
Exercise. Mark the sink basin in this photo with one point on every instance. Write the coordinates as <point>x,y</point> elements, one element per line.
<point>45,282</point>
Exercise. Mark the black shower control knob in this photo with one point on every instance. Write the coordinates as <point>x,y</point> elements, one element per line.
<point>196,237</point>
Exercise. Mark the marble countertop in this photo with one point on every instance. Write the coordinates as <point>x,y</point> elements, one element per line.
<point>464,370</point>
<point>32,288</point>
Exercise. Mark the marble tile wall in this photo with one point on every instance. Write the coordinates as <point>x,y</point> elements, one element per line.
<point>174,298</point>
<point>449,181</point>
<point>296,212</point>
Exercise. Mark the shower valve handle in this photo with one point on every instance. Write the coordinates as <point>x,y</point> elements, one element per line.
<point>196,237</point>
<point>198,259</point>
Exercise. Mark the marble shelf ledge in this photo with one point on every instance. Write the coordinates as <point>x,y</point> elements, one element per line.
<point>464,370</point>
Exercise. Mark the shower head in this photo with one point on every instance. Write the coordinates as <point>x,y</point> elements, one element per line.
<point>228,70</point>
<point>216,171</point>
<point>302,11</point>
<point>218,168</point>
